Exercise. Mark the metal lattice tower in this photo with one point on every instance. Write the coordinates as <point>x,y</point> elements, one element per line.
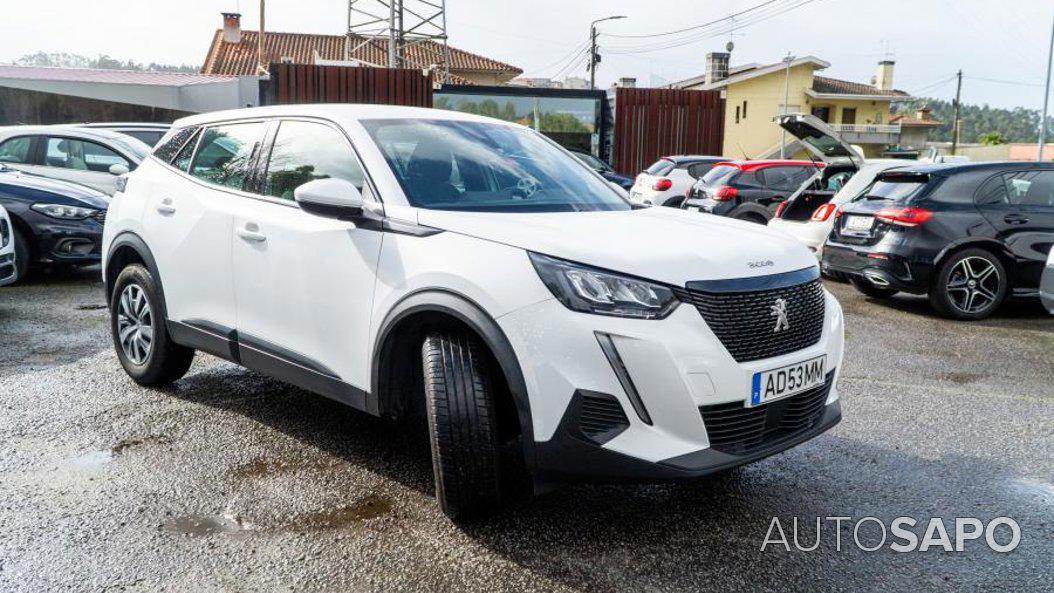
<point>413,30</point>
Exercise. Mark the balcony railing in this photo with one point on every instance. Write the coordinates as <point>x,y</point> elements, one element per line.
<point>866,128</point>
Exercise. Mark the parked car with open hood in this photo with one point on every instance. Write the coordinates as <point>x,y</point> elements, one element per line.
<point>146,132</point>
<point>7,249</point>
<point>967,235</point>
<point>464,269</point>
<point>91,157</point>
<point>53,222</point>
<point>604,169</point>
<point>665,182</point>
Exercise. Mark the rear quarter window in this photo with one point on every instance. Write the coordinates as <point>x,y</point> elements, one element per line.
<point>720,174</point>
<point>660,167</point>
<point>169,148</point>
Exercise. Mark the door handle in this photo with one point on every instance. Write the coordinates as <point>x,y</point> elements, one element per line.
<point>166,207</point>
<point>251,233</point>
<point>1015,219</point>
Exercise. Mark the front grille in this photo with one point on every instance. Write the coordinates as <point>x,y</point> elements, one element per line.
<point>600,416</point>
<point>745,321</point>
<point>5,232</point>
<point>736,429</point>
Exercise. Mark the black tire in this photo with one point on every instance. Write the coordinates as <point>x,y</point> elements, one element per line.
<point>752,217</point>
<point>675,202</point>
<point>868,289</point>
<point>165,361</point>
<point>23,256</point>
<point>462,424</point>
<point>949,302</point>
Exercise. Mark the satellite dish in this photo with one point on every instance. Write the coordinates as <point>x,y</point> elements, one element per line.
<point>729,46</point>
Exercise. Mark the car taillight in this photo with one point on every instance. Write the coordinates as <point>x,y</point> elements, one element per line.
<point>662,184</point>
<point>904,215</point>
<point>781,208</point>
<point>824,212</point>
<point>725,192</point>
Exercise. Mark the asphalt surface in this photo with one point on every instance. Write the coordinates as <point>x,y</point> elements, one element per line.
<point>231,481</point>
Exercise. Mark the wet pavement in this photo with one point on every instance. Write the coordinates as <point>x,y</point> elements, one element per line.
<point>230,481</point>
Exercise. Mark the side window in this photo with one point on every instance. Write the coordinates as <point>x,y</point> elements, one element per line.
<point>782,178</point>
<point>699,169</point>
<point>305,151</point>
<point>81,155</point>
<point>166,151</point>
<point>16,150</point>
<point>182,160</point>
<point>1031,188</point>
<point>226,153</point>
<point>992,192</point>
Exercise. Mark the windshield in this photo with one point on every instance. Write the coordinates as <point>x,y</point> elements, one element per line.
<point>592,161</point>
<point>478,166</point>
<point>660,167</point>
<point>719,175</point>
<point>133,147</point>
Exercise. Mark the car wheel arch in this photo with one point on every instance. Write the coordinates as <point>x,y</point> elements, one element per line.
<point>997,249</point>
<point>751,209</point>
<point>128,248</point>
<point>428,307</point>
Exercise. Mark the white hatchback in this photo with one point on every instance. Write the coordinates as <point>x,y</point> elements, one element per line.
<point>470,271</point>
<point>668,179</point>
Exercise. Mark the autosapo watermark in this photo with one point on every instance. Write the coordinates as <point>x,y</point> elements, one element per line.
<point>1001,534</point>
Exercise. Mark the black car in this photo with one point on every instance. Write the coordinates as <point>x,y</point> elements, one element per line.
<point>967,234</point>
<point>604,169</point>
<point>54,222</point>
<point>753,190</point>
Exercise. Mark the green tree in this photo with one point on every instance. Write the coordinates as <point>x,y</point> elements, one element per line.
<point>991,139</point>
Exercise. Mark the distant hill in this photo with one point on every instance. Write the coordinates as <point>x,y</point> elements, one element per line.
<point>1016,125</point>
<point>103,62</point>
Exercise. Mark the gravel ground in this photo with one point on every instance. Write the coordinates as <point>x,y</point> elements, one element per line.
<point>231,481</point>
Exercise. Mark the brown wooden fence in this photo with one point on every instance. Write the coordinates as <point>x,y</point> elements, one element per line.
<point>308,83</point>
<point>650,123</point>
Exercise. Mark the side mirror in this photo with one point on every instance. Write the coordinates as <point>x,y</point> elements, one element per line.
<point>330,198</point>
<point>118,169</point>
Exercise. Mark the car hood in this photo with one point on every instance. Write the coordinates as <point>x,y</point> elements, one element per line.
<point>75,193</point>
<point>663,244</point>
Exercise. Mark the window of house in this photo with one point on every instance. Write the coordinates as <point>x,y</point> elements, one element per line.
<point>226,153</point>
<point>16,150</point>
<point>81,155</point>
<point>744,109</point>
<point>305,151</point>
<point>737,114</point>
<point>849,115</point>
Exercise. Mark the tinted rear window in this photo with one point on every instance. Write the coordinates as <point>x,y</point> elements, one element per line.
<point>660,167</point>
<point>899,188</point>
<point>720,174</point>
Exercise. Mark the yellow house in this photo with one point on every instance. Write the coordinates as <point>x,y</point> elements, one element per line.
<point>756,93</point>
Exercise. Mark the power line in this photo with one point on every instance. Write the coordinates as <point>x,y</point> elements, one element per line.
<point>732,16</point>
<point>998,81</point>
<point>578,48</point>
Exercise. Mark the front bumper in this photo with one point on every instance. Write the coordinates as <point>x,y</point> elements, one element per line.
<point>74,242</point>
<point>676,365</point>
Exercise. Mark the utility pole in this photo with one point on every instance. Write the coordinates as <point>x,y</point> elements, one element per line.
<point>261,68</point>
<point>786,97</point>
<point>1046,97</point>
<point>594,58</point>
<point>955,125</point>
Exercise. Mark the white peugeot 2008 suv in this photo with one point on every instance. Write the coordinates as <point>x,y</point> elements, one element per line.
<point>411,261</point>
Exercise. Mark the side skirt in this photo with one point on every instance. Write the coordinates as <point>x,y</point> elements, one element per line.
<point>270,360</point>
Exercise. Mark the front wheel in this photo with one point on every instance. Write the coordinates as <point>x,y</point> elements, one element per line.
<point>462,423</point>
<point>23,256</point>
<point>969,285</point>
<point>868,289</point>
<point>143,345</point>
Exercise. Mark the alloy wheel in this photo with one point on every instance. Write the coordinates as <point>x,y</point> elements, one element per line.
<point>973,284</point>
<point>135,324</point>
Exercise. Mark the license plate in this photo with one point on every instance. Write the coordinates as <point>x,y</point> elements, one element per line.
<point>859,224</point>
<point>692,208</point>
<point>786,381</point>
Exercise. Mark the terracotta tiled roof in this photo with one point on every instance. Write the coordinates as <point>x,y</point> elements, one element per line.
<point>822,84</point>
<point>240,58</point>
<point>907,120</point>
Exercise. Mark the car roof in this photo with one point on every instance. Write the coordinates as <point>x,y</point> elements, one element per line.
<point>692,158</point>
<point>336,111</point>
<point>72,130</point>
<point>125,126</point>
<point>761,164</point>
<point>954,168</point>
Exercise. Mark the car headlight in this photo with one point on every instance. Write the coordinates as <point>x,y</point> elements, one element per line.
<point>62,211</point>
<point>589,290</point>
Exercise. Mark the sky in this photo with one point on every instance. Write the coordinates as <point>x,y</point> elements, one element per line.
<point>1001,47</point>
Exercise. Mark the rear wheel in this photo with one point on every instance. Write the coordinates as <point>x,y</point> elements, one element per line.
<point>462,423</point>
<point>752,217</point>
<point>868,289</point>
<point>143,345</point>
<point>970,284</point>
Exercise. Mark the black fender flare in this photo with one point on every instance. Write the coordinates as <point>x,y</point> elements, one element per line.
<point>471,314</point>
<point>129,239</point>
<point>750,208</point>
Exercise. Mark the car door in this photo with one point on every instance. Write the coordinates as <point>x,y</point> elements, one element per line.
<point>82,161</point>
<point>1020,206</point>
<point>188,222</point>
<point>303,283</point>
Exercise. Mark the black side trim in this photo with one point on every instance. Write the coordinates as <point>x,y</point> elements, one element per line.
<point>205,336</point>
<point>768,282</point>
<point>275,351</point>
<point>136,243</point>
<point>615,360</point>
<point>471,314</point>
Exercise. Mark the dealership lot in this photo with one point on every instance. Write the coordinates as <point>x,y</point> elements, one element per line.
<point>234,482</point>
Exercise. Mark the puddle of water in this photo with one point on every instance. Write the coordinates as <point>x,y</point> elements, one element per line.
<point>94,307</point>
<point>370,507</point>
<point>1035,489</point>
<point>962,378</point>
<point>263,468</point>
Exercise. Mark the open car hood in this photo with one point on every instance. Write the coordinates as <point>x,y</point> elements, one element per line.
<point>819,139</point>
